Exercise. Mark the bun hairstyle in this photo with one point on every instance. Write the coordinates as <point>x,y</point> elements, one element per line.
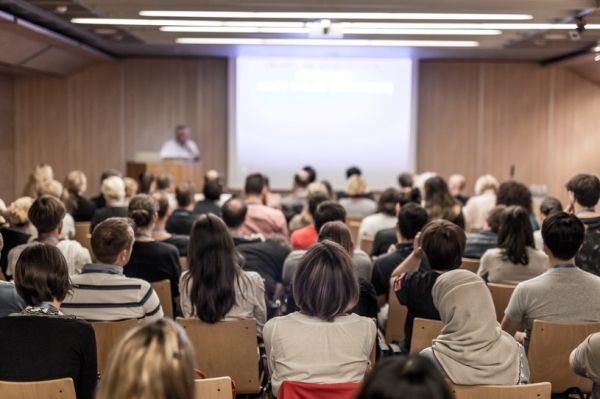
<point>142,209</point>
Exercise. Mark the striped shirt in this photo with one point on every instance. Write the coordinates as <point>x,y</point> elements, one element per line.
<point>102,293</point>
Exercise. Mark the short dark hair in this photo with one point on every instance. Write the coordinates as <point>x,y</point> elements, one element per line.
<point>46,213</point>
<point>312,173</point>
<point>514,193</point>
<point>42,275</point>
<point>111,237</point>
<point>413,196</point>
<point>405,180</point>
<point>494,217</point>
<point>145,180</point>
<point>106,173</point>
<point>314,200</point>
<point>550,205</point>
<point>443,243</point>
<point>255,183</point>
<point>563,234</point>
<point>411,219</point>
<point>233,212</point>
<point>212,190</point>
<point>328,211</point>
<point>353,170</point>
<point>164,181</point>
<point>162,199</point>
<point>184,193</point>
<point>387,202</point>
<point>585,188</point>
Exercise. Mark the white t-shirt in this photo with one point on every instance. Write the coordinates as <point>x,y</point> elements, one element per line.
<point>494,269</point>
<point>173,149</point>
<point>76,255</point>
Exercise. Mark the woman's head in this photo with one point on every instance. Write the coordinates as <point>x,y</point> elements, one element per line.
<point>42,275</point>
<point>74,185</point>
<point>147,184</point>
<point>113,189</point>
<point>515,235</point>
<point>325,265</point>
<point>337,232</point>
<point>439,202</point>
<point>387,202</point>
<point>484,183</point>
<point>131,187</point>
<point>16,213</point>
<point>142,210</point>
<point>514,193</point>
<point>443,243</point>
<point>41,174</point>
<point>153,360</point>
<point>356,186</point>
<point>550,205</point>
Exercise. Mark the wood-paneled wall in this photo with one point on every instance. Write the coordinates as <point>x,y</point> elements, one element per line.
<point>7,138</point>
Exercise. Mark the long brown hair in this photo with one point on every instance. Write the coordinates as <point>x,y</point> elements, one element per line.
<point>515,235</point>
<point>338,233</point>
<point>73,184</point>
<point>439,203</point>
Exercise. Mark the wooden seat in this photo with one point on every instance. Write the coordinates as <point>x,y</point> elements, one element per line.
<point>52,389</point>
<point>424,331</point>
<point>394,329</point>
<point>83,236</point>
<point>550,346</point>
<point>366,243</point>
<point>353,222</point>
<point>214,388</point>
<point>163,290</point>
<point>471,265</point>
<point>501,294</point>
<point>108,334</point>
<point>227,348</point>
<point>541,390</point>
<point>183,263</point>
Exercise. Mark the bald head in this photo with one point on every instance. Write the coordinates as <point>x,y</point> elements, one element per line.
<point>456,184</point>
<point>212,175</point>
<point>234,212</point>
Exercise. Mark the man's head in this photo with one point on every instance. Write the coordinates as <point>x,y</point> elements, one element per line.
<point>212,190</point>
<point>312,173</point>
<point>162,200</point>
<point>184,193</point>
<point>443,243</point>
<point>314,200</point>
<point>328,211</point>
<point>405,180</point>
<point>112,241</point>
<point>585,189</point>
<point>255,185</point>
<point>563,235</point>
<point>46,214</point>
<point>411,219</point>
<point>233,212</point>
<point>164,181</point>
<point>456,184</point>
<point>353,170</point>
<point>514,193</point>
<point>301,179</point>
<point>106,173</point>
<point>494,217</point>
<point>182,134</point>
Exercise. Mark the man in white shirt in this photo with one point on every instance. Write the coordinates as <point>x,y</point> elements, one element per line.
<point>181,147</point>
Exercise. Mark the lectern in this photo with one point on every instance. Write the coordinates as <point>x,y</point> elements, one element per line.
<point>181,171</point>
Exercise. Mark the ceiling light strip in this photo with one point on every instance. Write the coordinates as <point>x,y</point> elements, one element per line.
<point>327,42</point>
<point>232,29</point>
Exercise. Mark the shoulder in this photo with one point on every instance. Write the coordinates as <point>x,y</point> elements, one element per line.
<point>491,254</point>
<point>254,277</point>
<point>361,256</point>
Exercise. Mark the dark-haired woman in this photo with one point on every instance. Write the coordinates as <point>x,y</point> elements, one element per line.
<point>516,259</point>
<point>216,288</point>
<point>440,204</point>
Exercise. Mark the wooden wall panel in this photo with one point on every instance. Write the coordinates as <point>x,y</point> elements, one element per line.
<point>7,138</point>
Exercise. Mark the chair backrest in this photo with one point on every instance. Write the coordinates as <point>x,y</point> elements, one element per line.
<point>83,236</point>
<point>353,226</point>
<point>550,346</point>
<point>214,388</point>
<point>471,265</point>
<point>304,390</point>
<point>501,294</point>
<point>542,390</point>
<point>163,290</point>
<point>424,331</point>
<point>394,329</point>
<point>227,348</point>
<point>52,389</point>
<point>108,333</point>
<point>366,243</point>
<point>183,263</point>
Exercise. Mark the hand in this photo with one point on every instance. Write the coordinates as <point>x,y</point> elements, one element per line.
<point>417,251</point>
<point>392,248</point>
<point>369,367</point>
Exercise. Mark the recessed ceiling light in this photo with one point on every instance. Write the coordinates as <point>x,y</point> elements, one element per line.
<point>328,42</point>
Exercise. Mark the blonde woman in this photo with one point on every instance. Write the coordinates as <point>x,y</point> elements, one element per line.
<point>113,190</point>
<point>37,178</point>
<point>478,207</point>
<point>153,360</point>
<point>74,187</point>
<point>356,203</point>
<point>18,230</point>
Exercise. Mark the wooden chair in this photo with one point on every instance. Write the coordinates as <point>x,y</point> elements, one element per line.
<point>2,276</point>
<point>305,390</point>
<point>213,388</point>
<point>471,265</point>
<point>550,346</point>
<point>366,243</point>
<point>501,294</point>
<point>227,348</point>
<point>83,236</point>
<point>424,331</point>
<point>394,329</point>
<point>541,390</point>
<point>52,389</point>
<point>183,263</point>
<point>108,333</point>
<point>163,290</point>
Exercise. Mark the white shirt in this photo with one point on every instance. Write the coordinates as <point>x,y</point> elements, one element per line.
<point>477,209</point>
<point>373,223</point>
<point>76,255</point>
<point>173,149</point>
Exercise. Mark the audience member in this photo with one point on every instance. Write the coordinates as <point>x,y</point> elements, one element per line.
<point>350,172</point>
<point>165,182</point>
<point>46,214</point>
<point>216,288</point>
<point>10,301</point>
<point>99,200</point>
<point>472,349</point>
<point>182,218</point>
<point>514,193</point>
<point>304,218</point>
<point>405,181</point>
<point>113,190</point>
<point>160,233</point>
<point>323,319</point>
<point>487,237</point>
<point>17,232</point>
<point>548,206</point>
<point>37,179</point>
<point>585,362</point>
<point>48,344</point>
<point>54,188</point>
<point>131,189</point>
<point>146,183</point>
<point>355,202</point>
<point>478,207</point>
<point>440,204</point>
<point>306,236</point>
<point>516,259</point>
<point>153,360</point>
<point>456,185</point>
<point>212,195</point>
<point>294,203</point>
<point>312,173</point>
<point>75,186</point>
<point>563,294</point>
<point>385,217</point>
<point>261,218</point>
<point>101,292</point>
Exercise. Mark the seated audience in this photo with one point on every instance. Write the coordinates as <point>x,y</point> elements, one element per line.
<point>165,182</point>
<point>46,214</point>
<point>99,200</point>
<point>563,294</point>
<point>101,292</point>
<point>516,259</point>
<point>321,343</point>
<point>10,301</point>
<point>261,218</point>
<point>54,188</point>
<point>182,218</point>
<point>113,190</point>
<point>385,217</point>
<point>214,176</point>
<point>472,349</point>
<point>37,179</point>
<point>146,183</point>
<point>548,206</point>
<point>215,288</point>
<point>131,189</point>
<point>443,243</point>
<point>584,362</point>
<point>213,189</point>
<point>160,232</point>
<point>17,231</point>
<point>304,218</point>
<point>514,193</point>
<point>312,173</point>
<point>487,237</point>
<point>440,204</point>
<point>478,207</point>
<point>48,344</point>
<point>306,236</point>
<point>75,186</point>
<point>456,185</point>
<point>294,203</point>
<point>153,360</point>
<point>350,172</point>
<point>355,202</point>
<point>405,181</point>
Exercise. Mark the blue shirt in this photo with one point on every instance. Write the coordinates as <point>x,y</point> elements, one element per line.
<point>10,301</point>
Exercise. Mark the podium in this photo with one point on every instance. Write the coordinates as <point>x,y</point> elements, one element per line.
<point>181,171</point>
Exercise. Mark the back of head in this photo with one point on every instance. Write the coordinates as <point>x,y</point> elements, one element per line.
<point>514,193</point>
<point>328,211</point>
<point>51,187</point>
<point>439,202</point>
<point>46,213</point>
<point>312,173</point>
<point>413,196</point>
<point>405,377</point>
<point>387,202</point>
<point>113,189</point>
<point>353,170</point>
<point>314,200</point>
<point>74,184</point>
<point>325,265</point>
<point>443,243</point>
<point>145,181</point>
<point>356,186</point>
<point>563,234</point>
<point>162,199</point>
<point>317,187</point>
<point>16,212</point>
<point>255,184</point>
<point>339,233</point>
<point>233,212</point>
<point>494,218</point>
<point>302,179</point>
<point>486,182</point>
<point>106,173</point>
<point>515,235</point>
<point>457,182</point>
<point>212,190</point>
<point>41,174</point>
<point>153,360</point>
<point>131,187</point>
<point>550,205</point>
<point>411,219</point>
<point>405,180</point>
<point>586,189</point>
<point>111,237</point>
<point>141,210</point>
<point>164,181</point>
<point>184,193</point>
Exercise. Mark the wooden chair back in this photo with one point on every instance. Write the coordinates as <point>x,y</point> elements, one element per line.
<point>542,390</point>
<point>183,263</point>
<point>366,243</point>
<point>227,348</point>
<point>2,276</point>
<point>163,290</point>
<point>424,331</point>
<point>394,329</point>
<point>108,333</point>
<point>501,294</point>
<point>353,226</point>
<point>63,388</point>
<point>83,236</point>
<point>550,346</point>
<point>213,388</point>
<point>471,265</point>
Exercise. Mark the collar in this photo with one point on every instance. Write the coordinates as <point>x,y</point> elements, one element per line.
<point>564,266</point>
<point>181,211</point>
<point>404,247</point>
<point>101,268</point>
<point>46,238</point>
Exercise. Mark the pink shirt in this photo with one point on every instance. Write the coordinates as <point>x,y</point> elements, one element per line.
<point>264,220</point>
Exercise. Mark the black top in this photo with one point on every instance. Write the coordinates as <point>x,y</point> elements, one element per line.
<point>460,220</point>
<point>462,199</point>
<point>367,300</point>
<point>99,201</point>
<point>343,194</point>
<point>382,241</point>
<point>413,290</point>
<point>41,348</point>
<point>207,206</point>
<point>588,257</point>
<point>478,243</point>
<point>180,222</point>
<point>181,242</point>
<point>107,212</point>
<point>12,238</point>
<point>85,210</point>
